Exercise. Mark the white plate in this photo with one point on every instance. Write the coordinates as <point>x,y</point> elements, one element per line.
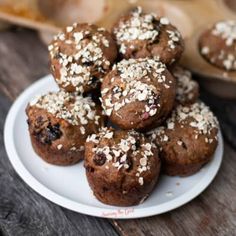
<point>68,187</point>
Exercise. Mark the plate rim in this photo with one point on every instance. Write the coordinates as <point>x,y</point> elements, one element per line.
<point>117,212</point>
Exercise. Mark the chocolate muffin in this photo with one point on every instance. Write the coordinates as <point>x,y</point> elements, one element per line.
<point>122,167</point>
<point>80,56</point>
<point>141,35</point>
<point>138,93</point>
<point>218,45</point>
<point>59,124</point>
<point>187,89</point>
<point>188,139</point>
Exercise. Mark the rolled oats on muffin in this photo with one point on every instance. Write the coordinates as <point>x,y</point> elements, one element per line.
<point>141,35</point>
<point>122,167</point>
<point>80,56</point>
<point>59,123</point>
<point>187,140</point>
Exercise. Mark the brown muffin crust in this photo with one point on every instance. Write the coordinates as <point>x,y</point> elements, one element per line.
<point>122,167</point>
<point>218,45</point>
<point>59,124</point>
<point>138,93</point>
<point>188,139</point>
<point>187,89</point>
<point>141,35</point>
<point>80,56</point>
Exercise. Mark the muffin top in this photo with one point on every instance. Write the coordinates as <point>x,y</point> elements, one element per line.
<point>218,44</point>
<point>81,54</point>
<point>197,116</point>
<point>187,89</point>
<point>74,109</point>
<point>138,26</point>
<point>123,151</point>
<point>135,80</point>
<point>138,30</point>
<point>226,30</point>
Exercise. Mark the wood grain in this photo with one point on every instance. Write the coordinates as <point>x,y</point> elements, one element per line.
<point>24,212</point>
<point>24,59</point>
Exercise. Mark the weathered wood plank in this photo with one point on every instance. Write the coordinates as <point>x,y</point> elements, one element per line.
<point>23,211</point>
<point>23,59</point>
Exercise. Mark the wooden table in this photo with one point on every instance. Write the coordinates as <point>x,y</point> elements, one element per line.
<point>24,212</point>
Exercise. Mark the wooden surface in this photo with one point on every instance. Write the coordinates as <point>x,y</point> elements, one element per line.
<point>24,212</point>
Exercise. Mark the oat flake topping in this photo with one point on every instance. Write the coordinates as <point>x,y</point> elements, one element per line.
<point>68,106</point>
<point>86,52</point>
<point>134,75</point>
<point>118,154</point>
<point>197,115</point>
<point>141,26</point>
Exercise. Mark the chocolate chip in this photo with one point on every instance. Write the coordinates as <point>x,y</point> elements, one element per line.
<point>99,159</point>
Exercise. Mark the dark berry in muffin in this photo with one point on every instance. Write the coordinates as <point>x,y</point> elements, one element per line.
<point>122,167</point>
<point>59,124</point>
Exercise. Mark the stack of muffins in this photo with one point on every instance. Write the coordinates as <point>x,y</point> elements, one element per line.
<point>160,125</point>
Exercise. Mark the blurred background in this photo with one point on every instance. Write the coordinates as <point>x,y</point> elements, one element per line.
<point>53,14</point>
